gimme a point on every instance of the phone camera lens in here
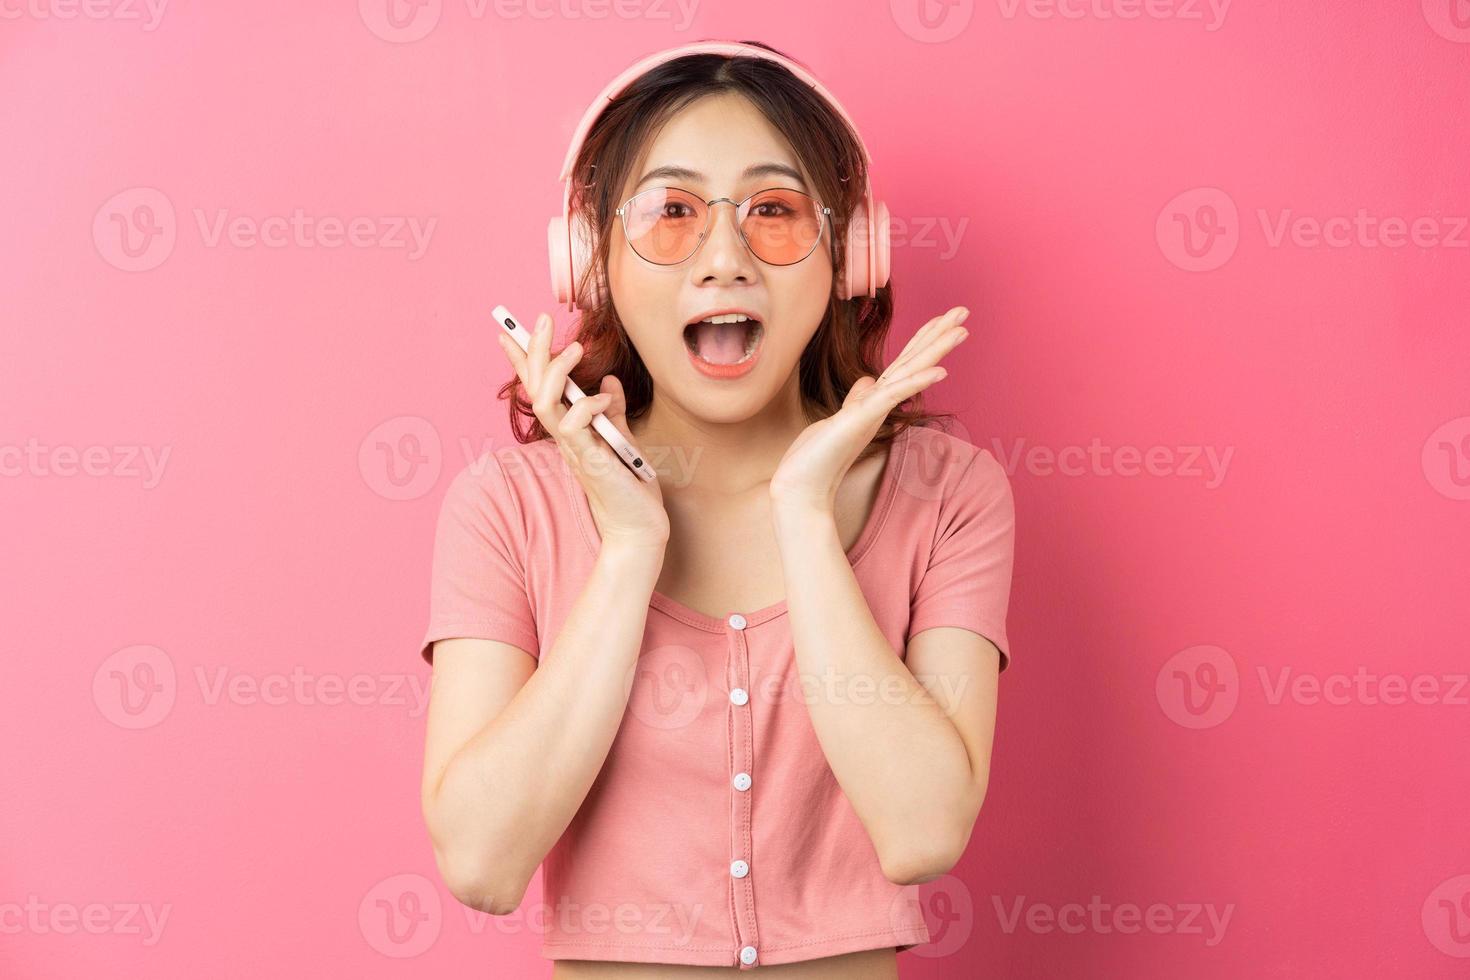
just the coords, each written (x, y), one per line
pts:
(638, 461)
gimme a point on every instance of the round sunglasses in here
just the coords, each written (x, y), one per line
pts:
(666, 225)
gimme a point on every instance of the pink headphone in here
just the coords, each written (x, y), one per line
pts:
(569, 241)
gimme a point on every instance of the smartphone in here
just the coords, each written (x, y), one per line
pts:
(625, 450)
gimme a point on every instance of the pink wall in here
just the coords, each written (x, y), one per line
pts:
(1218, 263)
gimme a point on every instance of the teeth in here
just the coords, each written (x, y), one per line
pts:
(750, 339)
(726, 318)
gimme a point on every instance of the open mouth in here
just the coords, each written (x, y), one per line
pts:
(728, 339)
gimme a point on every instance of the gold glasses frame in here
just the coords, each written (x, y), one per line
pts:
(742, 208)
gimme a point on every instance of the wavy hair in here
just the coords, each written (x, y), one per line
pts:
(848, 344)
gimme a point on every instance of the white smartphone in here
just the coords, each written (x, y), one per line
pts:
(625, 450)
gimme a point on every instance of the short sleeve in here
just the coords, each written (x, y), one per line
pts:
(478, 581)
(967, 582)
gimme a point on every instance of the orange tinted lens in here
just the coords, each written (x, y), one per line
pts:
(782, 226)
(664, 224)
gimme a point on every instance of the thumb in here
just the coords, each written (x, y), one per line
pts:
(617, 408)
(859, 386)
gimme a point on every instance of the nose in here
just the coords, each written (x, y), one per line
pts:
(723, 256)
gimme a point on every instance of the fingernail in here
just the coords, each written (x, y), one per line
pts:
(964, 315)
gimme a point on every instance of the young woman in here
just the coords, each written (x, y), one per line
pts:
(740, 712)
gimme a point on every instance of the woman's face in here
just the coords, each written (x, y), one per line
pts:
(718, 138)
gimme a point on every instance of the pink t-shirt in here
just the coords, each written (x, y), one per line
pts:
(715, 833)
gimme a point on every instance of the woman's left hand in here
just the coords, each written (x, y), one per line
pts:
(814, 465)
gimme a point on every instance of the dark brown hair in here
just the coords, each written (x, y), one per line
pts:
(850, 341)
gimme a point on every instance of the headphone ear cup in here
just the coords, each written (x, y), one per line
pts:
(588, 294)
(561, 260)
(856, 256)
(569, 247)
(866, 267)
(882, 247)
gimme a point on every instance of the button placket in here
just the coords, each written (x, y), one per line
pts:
(742, 739)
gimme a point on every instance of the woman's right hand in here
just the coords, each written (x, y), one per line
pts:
(627, 508)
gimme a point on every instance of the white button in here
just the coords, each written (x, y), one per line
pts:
(742, 781)
(738, 695)
(747, 955)
(739, 869)
(737, 621)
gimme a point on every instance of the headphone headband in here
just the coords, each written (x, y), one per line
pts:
(729, 48)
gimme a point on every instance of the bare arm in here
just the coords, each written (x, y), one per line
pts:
(910, 745)
(513, 747)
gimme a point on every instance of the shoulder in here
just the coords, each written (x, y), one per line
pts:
(528, 464)
(512, 478)
(947, 468)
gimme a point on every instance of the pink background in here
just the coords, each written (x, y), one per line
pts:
(213, 708)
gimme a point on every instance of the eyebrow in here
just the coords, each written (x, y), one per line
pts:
(755, 170)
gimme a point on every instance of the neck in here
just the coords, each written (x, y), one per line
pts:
(721, 458)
